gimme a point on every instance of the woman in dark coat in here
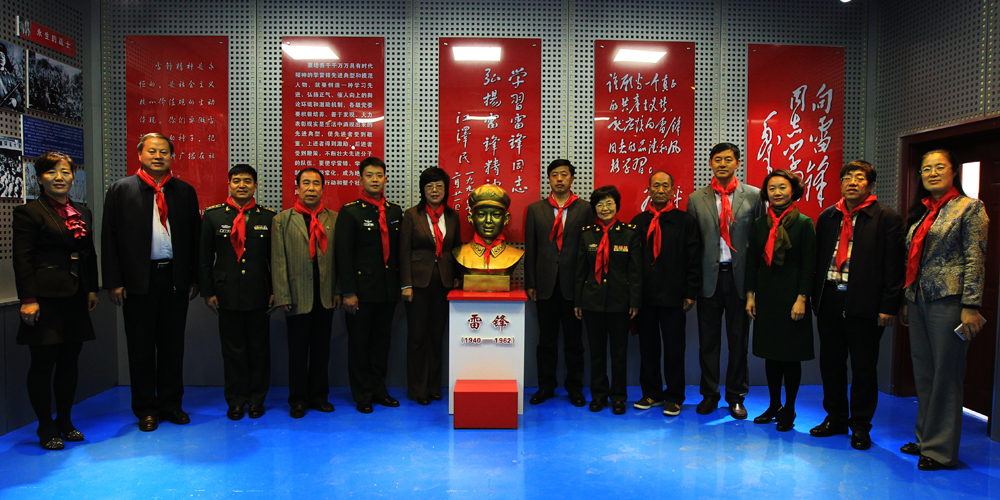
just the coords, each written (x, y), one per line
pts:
(55, 269)
(427, 274)
(780, 261)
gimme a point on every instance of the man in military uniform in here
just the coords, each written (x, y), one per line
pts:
(367, 246)
(234, 272)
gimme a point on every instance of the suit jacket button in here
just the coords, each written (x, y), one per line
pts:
(243, 271)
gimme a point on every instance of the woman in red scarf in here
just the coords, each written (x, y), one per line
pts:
(427, 274)
(944, 288)
(780, 261)
(608, 294)
(55, 269)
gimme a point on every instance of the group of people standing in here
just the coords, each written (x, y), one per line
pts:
(726, 253)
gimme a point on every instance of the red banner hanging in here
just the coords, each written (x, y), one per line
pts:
(179, 86)
(46, 36)
(643, 118)
(490, 121)
(332, 113)
(795, 118)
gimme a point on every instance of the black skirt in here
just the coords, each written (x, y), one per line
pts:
(62, 320)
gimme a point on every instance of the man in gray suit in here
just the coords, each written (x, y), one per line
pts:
(304, 287)
(725, 211)
(551, 236)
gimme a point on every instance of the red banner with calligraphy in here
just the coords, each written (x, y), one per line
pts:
(46, 36)
(332, 113)
(179, 86)
(490, 121)
(643, 118)
(795, 118)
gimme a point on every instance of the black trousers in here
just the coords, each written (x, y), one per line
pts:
(369, 331)
(603, 328)
(552, 312)
(728, 300)
(840, 337)
(309, 354)
(667, 324)
(63, 359)
(246, 355)
(426, 320)
(154, 330)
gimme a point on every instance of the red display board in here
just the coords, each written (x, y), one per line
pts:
(643, 118)
(332, 113)
(46, 36)
(795, 118)
(179, 86)
(490, 121)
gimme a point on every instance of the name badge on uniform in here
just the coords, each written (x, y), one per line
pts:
(260, 228)
(620, 248)
(369, 223)
(224, 229)
(592, 247)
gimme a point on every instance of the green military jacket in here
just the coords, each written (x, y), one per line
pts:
(361, 268)
(242, 285)
(621, 287)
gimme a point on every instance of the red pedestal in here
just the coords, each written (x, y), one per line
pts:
(486, 404)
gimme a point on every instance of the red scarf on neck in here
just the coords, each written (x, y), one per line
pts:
(161, 202)
(920, 234)
(435, 215)
(383, 226)
(489, 248)
(847, 228)
(317, 235)
(773, 234)
(654, 227)
(726, 214)
(557, 227)
(71, 216)
(602, 263)
(238, 235)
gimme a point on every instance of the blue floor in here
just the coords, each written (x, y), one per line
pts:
(412, 452)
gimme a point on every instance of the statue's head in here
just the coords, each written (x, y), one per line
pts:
(488, 205)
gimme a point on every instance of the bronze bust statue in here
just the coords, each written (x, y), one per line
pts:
(488, 254)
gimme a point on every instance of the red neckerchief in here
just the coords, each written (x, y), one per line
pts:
(383, 226)
(489, 247)
(557, 227)
(654, 227)
(773, 233)
(238, 235)
(848, 226)
(920, 234)
(317, 235)
(71, 216)
(435, 215)
(602, 263)
(726, 214)
(161, 202)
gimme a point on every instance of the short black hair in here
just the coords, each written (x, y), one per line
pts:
(861, 165)
(154, 135)
(604, 192)
(298, 177)
(48, 161)
(429, 175)
(370, 162)
(560, 162)
(651, 174)
(798, 188)
(723, 146)
(243, 168)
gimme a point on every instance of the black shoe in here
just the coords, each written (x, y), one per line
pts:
(51, 443)
(365, 407)
(827, 429)
(738, 411)
(768, 415)
(323, 406)
(423, 401)
(577, 399)
(297, 411)
(618, 407)
(597, 405)
(387, 401)
(860, 440)
(235, 412)
(707, 405)
(540, 396)
(148, 424)
(928, 463)
(176, 417)
(911, 449)
(255, 411)
(72, 434)
(435, 397)
(786, 421)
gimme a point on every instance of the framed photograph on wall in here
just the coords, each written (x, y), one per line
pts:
(55, 88)
(12, 92)
(11, 170)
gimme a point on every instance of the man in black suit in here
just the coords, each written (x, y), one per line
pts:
(671, 280)
(367, 249)
(234, 276)
(861, 238)
(551, 236)
(150, 264)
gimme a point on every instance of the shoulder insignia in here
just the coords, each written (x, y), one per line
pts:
(220, 205)
(387, 202)
(355, 202)
(631, 226)
(262, 207)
